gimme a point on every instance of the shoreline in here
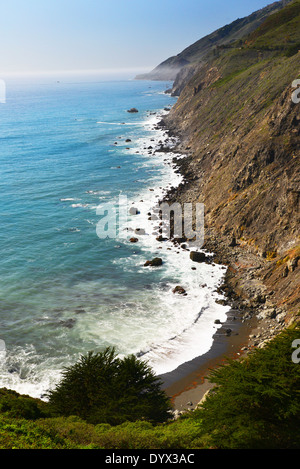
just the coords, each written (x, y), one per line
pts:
(249, 324)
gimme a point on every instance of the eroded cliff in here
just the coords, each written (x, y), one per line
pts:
(238, 120)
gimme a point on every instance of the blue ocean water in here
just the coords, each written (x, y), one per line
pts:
(64, 291)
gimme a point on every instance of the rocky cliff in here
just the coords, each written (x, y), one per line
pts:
(239, 124)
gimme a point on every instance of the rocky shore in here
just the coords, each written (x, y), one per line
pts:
(257, 312)
(237, 123)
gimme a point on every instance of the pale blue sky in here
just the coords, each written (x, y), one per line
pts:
(57, 35)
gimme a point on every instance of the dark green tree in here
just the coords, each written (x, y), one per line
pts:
(256, 403)
(102, 388)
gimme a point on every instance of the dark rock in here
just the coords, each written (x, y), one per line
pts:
(133, 109)
(198, 256)
(156, 262)
(180, 290)
(133, 240)
(233, 243)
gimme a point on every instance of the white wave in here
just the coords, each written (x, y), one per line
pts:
(68, 199)
(89, 206)
(25, 372)
(79, 205)
(120, 123)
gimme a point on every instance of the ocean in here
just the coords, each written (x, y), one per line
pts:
(69, 148)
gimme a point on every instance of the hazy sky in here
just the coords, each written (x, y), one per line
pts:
(57, 35)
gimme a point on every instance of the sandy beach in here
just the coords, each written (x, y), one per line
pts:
(187, 385)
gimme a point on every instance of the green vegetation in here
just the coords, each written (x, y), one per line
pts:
(280, 31)
(257, 400)
(255, 404)
(279, 35)
(102, 388)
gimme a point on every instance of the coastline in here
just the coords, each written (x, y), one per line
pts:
(253, 318)
(187, 385)
(179, 343)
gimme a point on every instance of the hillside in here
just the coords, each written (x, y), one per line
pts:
(222, 38)
(240, 127)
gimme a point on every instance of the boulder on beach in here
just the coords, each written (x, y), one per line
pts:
(156, 262)
(198, 256)
(180, 290)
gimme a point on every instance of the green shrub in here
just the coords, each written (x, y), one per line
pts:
(24, 434)
(102, 388)
(256, 403)
(19, 406)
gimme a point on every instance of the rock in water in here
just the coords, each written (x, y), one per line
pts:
(180, 290)
(198, 256)
(133, 109)
(156, 262)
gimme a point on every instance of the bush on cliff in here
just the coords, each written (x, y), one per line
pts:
(256, 403)
(102, 388)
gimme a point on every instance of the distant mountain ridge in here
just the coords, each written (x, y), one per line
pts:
(197, 52)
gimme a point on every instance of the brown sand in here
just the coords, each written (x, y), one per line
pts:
(187, 385)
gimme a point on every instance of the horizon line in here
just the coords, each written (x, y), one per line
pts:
(74, 71)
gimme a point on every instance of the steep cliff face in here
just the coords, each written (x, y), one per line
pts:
(239, 124)
(201, 50)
